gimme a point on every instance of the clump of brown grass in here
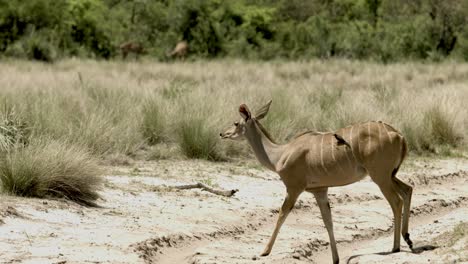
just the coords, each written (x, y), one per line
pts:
(197, 140)
(13, 130)
(153, 123)
(51, 169)
(441, 127)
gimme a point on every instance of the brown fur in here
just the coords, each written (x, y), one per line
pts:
(180, 51)
(315, 161)
(131, 47)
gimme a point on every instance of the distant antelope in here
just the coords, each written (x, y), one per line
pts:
(180, 50)
(314, 161)
(131, 47)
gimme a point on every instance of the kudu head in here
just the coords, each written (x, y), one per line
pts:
(246, 123)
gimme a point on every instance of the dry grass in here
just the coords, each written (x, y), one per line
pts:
(106, 106)
(44, 168)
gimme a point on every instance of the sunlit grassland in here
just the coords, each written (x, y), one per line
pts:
(146, 109)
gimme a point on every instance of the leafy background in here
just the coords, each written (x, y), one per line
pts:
(381, 30)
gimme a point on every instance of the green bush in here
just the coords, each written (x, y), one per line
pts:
(461, 50)
(51, 169)
(367, 29)
(90, 26)
(194, 22)
(18, 18)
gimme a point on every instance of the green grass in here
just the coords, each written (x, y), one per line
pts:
(51, 169)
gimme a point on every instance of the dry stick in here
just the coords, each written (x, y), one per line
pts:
(227, 193)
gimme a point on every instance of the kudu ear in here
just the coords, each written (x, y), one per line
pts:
(244, 112)
(263, 111)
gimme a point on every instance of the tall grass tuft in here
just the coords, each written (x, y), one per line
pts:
(153, 122)
(197, 140)
(327, 101)
(51, 169)
(441, 127)
(417, 138)
(13, 130)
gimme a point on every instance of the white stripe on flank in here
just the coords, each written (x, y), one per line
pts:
(321, 155)
(380, 139)
(332, 151)
(358, 141)
(351, 140)
(368, 132)
(386, 130)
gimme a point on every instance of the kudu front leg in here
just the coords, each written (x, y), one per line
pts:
(288, 205)
(322, 201)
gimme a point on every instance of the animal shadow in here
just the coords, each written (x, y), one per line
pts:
(415, 250)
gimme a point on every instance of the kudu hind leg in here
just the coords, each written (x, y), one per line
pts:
(288, 205)
(324, 205)
(405, 192)
(389, 190)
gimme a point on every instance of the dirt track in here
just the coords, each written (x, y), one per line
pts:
(141, 222)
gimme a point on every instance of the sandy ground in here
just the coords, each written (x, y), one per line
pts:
(142, 222)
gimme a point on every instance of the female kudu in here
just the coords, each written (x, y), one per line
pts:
(314, 161)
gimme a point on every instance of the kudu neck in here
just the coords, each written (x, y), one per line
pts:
(267, 152)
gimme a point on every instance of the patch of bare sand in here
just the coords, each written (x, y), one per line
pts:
(139, 222)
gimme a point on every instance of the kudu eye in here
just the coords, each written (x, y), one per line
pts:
(236, 123)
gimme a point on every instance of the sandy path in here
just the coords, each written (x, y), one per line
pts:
(143, 223)
(361, 217)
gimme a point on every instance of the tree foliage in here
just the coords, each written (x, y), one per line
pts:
(384, 30)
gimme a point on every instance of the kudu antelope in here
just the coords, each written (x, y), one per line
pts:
(180, 50)
(314, 161)
(131, 47)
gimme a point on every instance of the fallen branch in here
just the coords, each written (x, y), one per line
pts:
(227, 193)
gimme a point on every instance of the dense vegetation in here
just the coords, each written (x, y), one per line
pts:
(382, 30)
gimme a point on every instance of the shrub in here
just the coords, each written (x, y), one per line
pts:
(152, 126)
(51, 169)
(197, 140)
(417, 138)
(433, 132)
(91, 27)
(441, 127)
(37, 45)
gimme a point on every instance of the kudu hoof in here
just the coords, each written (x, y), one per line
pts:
(408, 241)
